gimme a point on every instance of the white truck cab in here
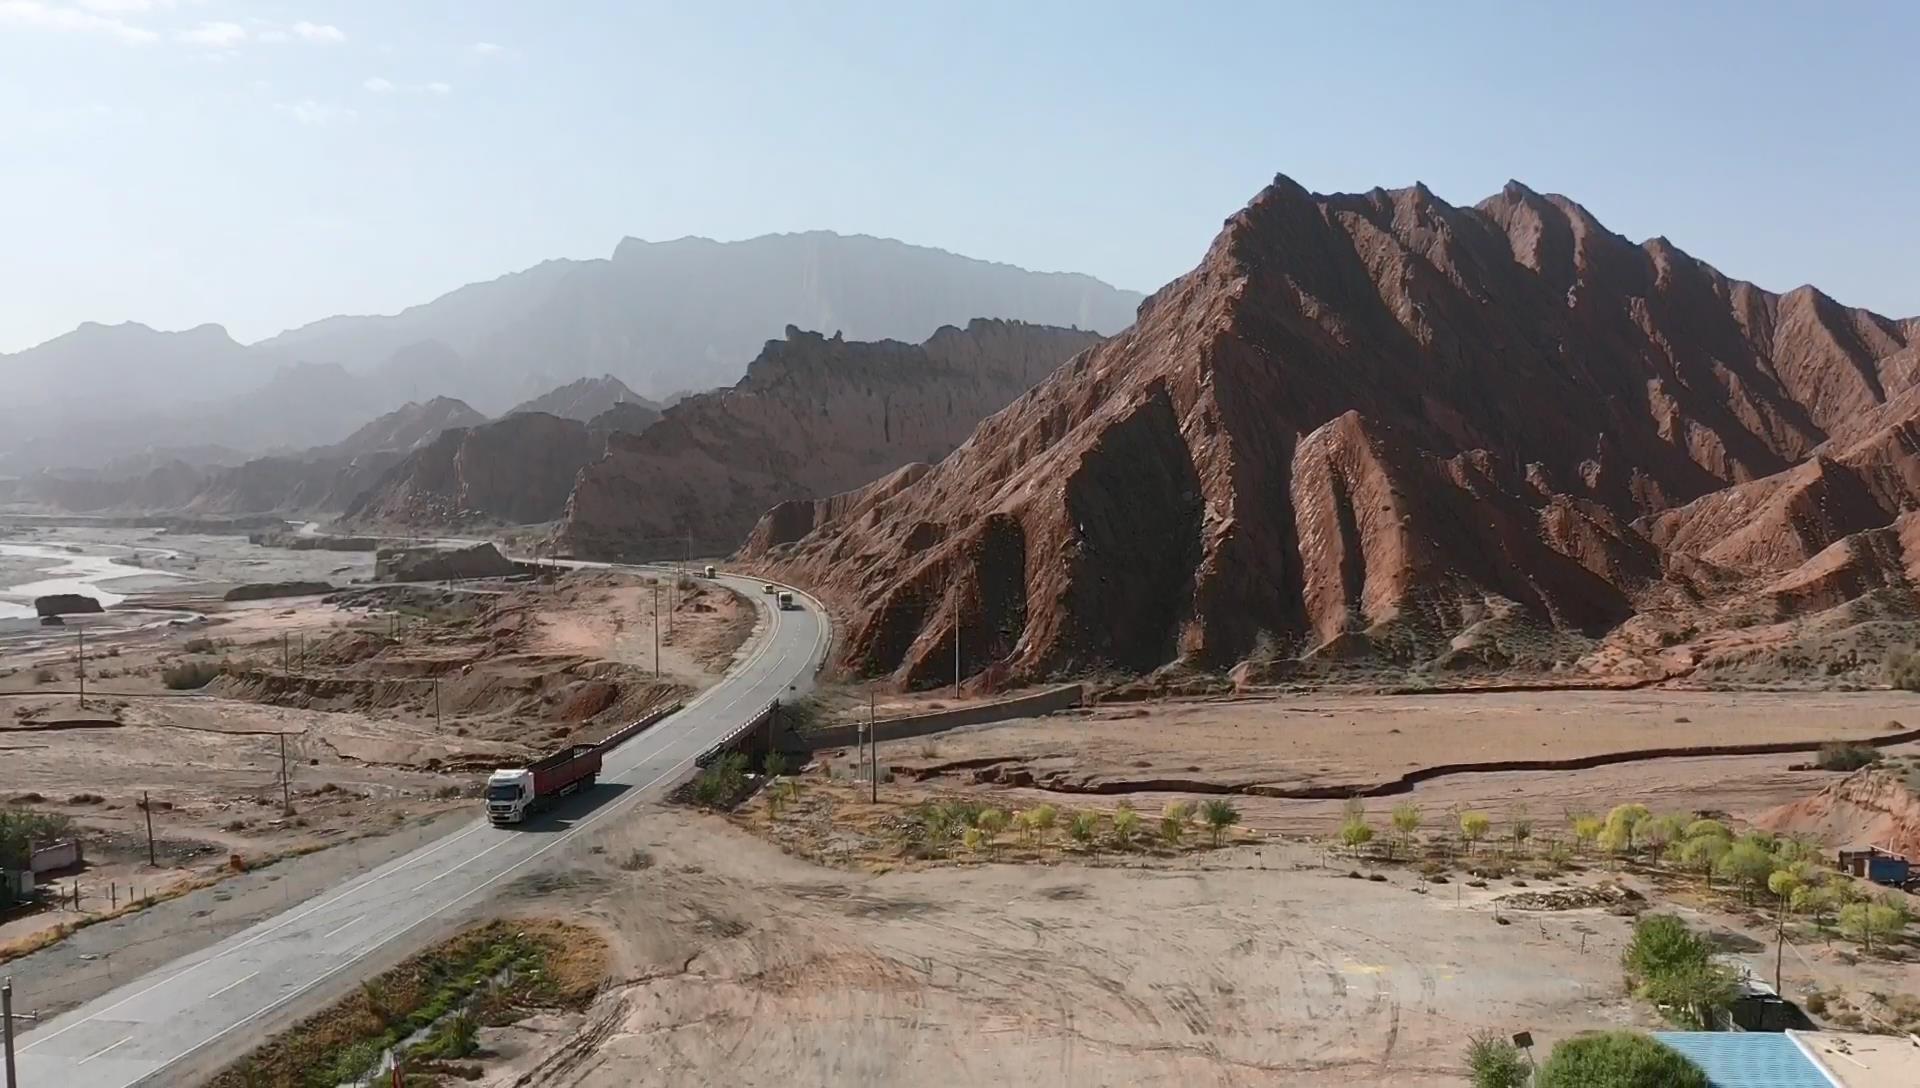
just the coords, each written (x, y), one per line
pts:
(509, 792)
(710, 571)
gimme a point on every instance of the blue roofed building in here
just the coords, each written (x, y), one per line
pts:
(1799, 1059)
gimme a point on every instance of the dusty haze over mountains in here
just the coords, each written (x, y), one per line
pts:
(660, 317)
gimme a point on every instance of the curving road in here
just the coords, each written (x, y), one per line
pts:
(145, 1031)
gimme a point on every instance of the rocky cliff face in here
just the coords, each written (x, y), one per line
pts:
(517, 470)
(814, 415)
(1380, 425)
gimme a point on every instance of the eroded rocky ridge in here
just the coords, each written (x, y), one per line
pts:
(815, 415)
(1377, 425)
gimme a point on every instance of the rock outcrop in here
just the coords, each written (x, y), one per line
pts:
(441, 564)
(260, 591)
(514, 470)
(1380, 425)
(66, 604)
(1870, 807)
(815, 415)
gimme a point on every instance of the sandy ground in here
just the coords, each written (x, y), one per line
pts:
(1309, 740)
(1248, 965)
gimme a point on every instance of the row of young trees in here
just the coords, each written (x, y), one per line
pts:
(1784, 872)
(980, 828)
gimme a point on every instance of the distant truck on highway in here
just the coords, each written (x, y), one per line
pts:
(786, 601)
(513, 792)
(709, 570)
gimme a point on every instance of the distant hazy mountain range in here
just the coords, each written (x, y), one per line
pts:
(657, 317)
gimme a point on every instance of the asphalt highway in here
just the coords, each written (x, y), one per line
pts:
(201, 1004)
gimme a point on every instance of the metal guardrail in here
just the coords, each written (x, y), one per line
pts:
(734, 737)
(645, 721)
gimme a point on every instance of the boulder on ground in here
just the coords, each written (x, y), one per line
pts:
(441, 564)
(66, 604)
(256, 591)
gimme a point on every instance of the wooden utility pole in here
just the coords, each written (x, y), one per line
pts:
(286, 785)
(656, 627)
(146, 803)
(873, 751)
(956, 651)
(436, 703)
(286, 655)
(81, 633)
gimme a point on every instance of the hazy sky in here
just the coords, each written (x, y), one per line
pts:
(265, 164)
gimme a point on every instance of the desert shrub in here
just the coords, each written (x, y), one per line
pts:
(1618, 1059)
(1219, 816)
(1126, 824)
(199, 646)
(722, 782)
(1903, 670)
(776, 764)
(1083, 827)
(1844, 756)
(1493, 1062)
(636, 861)
(189, 675)
(44, 675)
(85, 799)
(1174, 818)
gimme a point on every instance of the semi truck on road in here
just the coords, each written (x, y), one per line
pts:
(513, 792)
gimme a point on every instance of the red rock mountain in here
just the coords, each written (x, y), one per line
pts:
(813, 416)
(1378, 424)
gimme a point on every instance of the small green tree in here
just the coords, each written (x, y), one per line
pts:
(990, 823)
(1869, 920)
(1618, 1059)
(1083, 827)
(1044, 817)
(1520, 829)
(775, 764)
(1662, 943)
(1703, 828)
(1174, 818)
(1126, 824)
(1693, 995)
(1656, 832)
(1622, 822)
(1473, 827)
(1703, 854)
(1586, 831)
(1355, 834)
(1494, 1062)
(1406, 822)
(1747, 865)
(973, 839)
(1219, 816)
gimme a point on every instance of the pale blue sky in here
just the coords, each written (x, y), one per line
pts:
(265, 164)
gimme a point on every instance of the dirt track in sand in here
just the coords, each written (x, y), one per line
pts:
(1251, 965)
